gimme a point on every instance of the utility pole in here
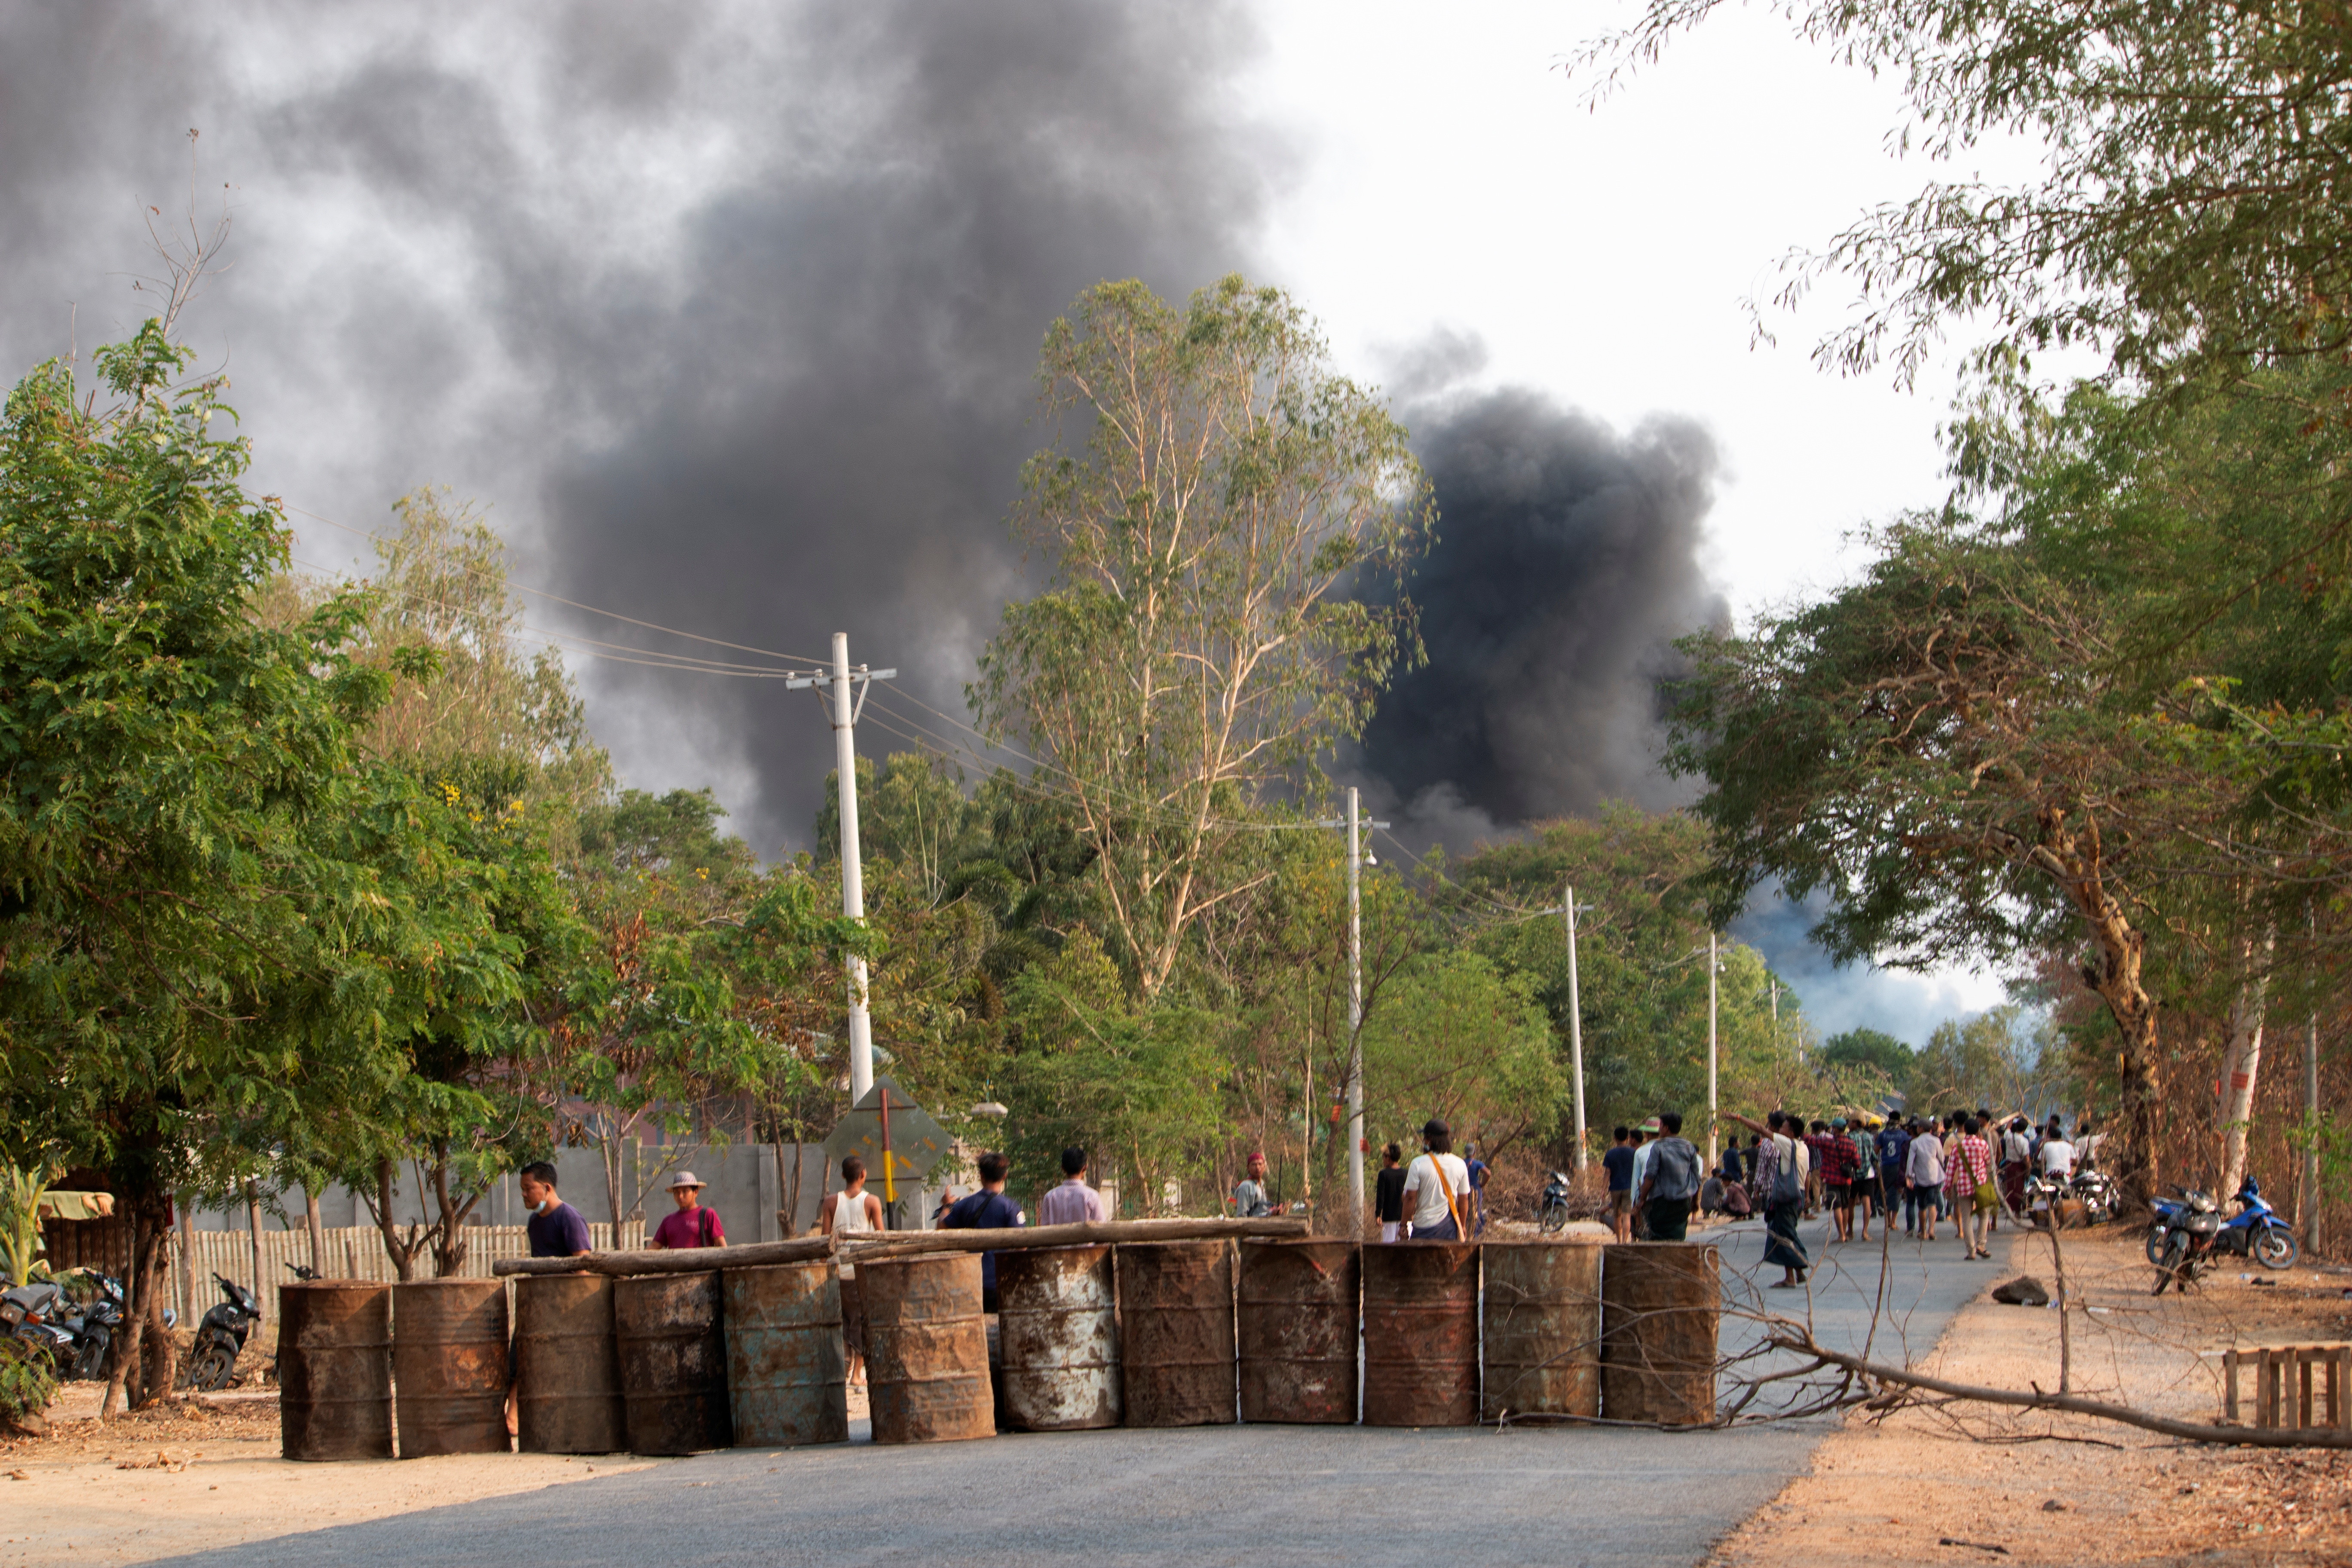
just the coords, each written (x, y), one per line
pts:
(1570, 908)
(843, 712)
(2307, 1201)
(1710, 1045)
(1355, 823)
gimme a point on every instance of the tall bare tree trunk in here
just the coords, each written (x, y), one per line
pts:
(2241, 1056)
(318, 1238)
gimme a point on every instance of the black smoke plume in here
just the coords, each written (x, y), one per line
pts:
(730, 313)
(1567, 564)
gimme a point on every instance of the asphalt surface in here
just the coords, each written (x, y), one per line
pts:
(1264, 1496)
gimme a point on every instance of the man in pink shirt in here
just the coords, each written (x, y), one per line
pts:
(1074, 1202)
(691, 1225)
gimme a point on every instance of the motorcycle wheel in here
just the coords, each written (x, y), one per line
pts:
(2174, 1270)
(2276, 1249)
(1554, 1218)
(89, 1362)
(2156, 1244)
(210, 1369)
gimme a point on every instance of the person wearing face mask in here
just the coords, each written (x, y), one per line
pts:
(555, 1227)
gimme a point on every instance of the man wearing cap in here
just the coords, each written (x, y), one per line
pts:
(1250, 1199)
(692, 1224)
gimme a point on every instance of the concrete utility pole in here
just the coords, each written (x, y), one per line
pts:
(1570, 908)
(2307, 1201)
(1710, 1045)
(844, 711)
(1355, 823)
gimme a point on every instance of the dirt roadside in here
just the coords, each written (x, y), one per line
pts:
(1963, 1484)
(196, 1475)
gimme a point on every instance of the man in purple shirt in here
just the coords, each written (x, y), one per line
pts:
(555, 1227)
(1074, 1202)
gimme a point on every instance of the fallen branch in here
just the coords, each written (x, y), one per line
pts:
(2075, 1404)
(672, 1260)
(900, 1244)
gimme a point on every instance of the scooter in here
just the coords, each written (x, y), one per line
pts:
(2189, 1244)
(2256, 1231)
(1553, 1217)
(74, 1334)
(220, 1339)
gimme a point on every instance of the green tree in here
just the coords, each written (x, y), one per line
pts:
(1204, 634)
(1872, 1049)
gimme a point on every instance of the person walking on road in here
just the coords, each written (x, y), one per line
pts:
(987, 1209)
(1840, 1163)
(1974, 1196)
(691, 1225)
(1894, 1148)
(1074, 1202)
(1387, 1194)
(1780, 1193)
(1436, 1186)
(1618, 1163)
(1671, 1182)
(1926, 1170)
(853, 1210)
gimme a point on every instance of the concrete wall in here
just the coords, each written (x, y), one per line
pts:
(744, 1184)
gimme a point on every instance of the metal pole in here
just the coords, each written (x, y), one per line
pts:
(1710, 1046)
(1355, 1016)
(2309, 1198)
(853, 872)
(1575, 1029)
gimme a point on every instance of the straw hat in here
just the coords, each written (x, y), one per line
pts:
(686, 1179)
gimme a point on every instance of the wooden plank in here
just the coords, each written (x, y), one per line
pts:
(672, 1260)
(2265, 1388)
(2230, 1385)
(898, 1244)
(2303, 1370)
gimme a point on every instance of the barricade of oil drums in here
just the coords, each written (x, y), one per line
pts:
(1057, 1328)
(1540, 1330)
(673, 1347)
(786, 1369)
(1661, 1306)
(449, 1366)
(1298, 1320)
(1421, 1334)
(1176, 1332)
(926, 1348)
(335, 1370)
(567, 1367)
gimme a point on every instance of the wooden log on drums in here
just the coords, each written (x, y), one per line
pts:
(673, 1345)
(1057, 1329)
(672, 1260)
(1661, 1305)
(1541, 1328)
(1295, 1322)
(1421, 1334)
(567, 1367)
(1086, 1232)
(787, 1375)
(925, 1348)
(1176, 1332)
(449, 1366)
(335, 1370)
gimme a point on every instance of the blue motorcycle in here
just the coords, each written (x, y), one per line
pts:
(2256, 1231)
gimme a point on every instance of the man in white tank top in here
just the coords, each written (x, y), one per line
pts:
(849, 1212)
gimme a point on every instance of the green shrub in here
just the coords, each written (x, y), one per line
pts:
(27, 1379)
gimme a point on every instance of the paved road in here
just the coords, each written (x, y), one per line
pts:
(1264, 1496)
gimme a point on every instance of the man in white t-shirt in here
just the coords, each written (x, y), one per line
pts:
(2057, 1154)
(1436, 1186)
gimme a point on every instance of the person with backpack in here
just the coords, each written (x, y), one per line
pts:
(691, 1225)
(987, 1209)
(1780, 1193)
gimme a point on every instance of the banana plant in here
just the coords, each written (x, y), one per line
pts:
(21, 1190)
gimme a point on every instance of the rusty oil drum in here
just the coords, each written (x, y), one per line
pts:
(1541, 1328)
(567, 1367)
(1176, 1332)
(1661, 1304)
(1057, 1328)
(335, 1370)
(786, 1370)
(449, 1366)
(926, 1348)
(1421, 1334)
(673, 1345)
(1295, 1322)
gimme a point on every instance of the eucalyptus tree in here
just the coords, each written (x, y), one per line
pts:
(1216, 533)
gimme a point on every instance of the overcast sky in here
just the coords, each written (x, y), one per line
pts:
(728, 312)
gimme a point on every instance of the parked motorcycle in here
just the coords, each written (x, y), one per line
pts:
(220, 1339)
(74, 1334)
(1553, 1215)
(2188, 1245)
(2095, 1191)
(2255, 1231)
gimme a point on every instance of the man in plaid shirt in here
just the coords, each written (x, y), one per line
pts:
(1840, 1163)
